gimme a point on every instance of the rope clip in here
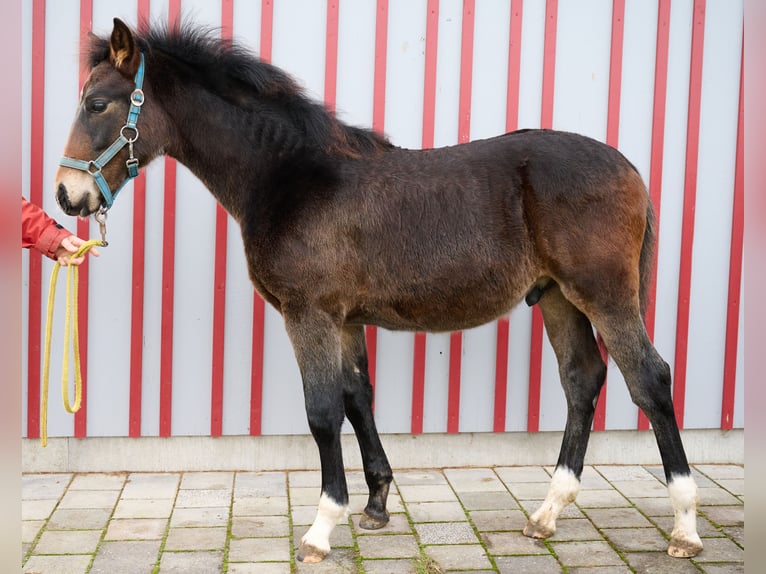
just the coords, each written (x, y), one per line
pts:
(100, 217)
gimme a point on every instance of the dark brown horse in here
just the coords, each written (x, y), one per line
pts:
(342, 229)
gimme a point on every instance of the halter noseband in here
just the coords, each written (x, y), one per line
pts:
(93, 167)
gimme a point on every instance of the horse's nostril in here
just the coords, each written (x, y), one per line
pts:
(63, 198)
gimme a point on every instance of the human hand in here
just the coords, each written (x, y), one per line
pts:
(70, 245)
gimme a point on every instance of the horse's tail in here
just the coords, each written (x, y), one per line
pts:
(646, 259)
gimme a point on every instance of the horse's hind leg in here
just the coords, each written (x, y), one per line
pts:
(648, 378)
(582, 373)
(316, 340)
(357, 396)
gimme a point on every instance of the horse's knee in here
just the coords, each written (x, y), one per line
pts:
(651, 391)
(582, 382)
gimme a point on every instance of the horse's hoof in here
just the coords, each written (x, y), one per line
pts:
(373, 523)
(538, 530)
(684, 547)
(310, 554)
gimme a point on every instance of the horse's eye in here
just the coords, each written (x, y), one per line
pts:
(97, 106)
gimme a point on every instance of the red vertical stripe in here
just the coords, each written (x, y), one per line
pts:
(546, 122)
(259, 306)
(378, 123)
(37, 126)
(612, 137)
(137, 305)
(511, 123)
(83, 230)
(427, 141)
(655, 170)
(219, 279)
(735, 268)
(331, 55)
(137, 285)
(168, 275)
(463, 136)
(501, 374)
(690, 198)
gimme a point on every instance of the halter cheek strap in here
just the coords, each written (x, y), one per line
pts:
(93, 167)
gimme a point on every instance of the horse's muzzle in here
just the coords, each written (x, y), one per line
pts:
(80, 208)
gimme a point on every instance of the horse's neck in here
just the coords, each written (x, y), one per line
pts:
(218, 146)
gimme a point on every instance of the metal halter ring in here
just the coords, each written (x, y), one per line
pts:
(135, 129)
(137, 97)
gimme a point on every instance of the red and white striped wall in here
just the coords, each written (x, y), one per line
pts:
(174, 341)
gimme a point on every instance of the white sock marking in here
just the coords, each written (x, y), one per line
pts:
(563, 491)
(683, 495)
(328, 515)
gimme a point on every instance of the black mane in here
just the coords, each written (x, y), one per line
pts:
(237, 75)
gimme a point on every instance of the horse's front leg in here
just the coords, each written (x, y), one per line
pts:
(317, 343)
(357, 393)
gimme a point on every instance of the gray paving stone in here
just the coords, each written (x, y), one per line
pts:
(44, 486)
(68, 542)
(636, 539)
(495, 520)
(600, 570)
(303, 514)
(57, 564)
(575, 529)
(260, 526)
(259, 549)
(151, 485)
(190, 517)
(733, 568)
(196, 539)
(30, 529)
(736, 533)
(259, 506)
(136, 529)
(717, 471)
(436, 511)
(733, 485)
(591, 479)
(305, 495)
(474, 480)
(201, 498)
(640, 488)
(716, 497)
(388, 546)
(89, 499)
(446, 533)
(529, 490)
(704, 528)
(136, 557)
(305, 478)
(98, 481)
(536, 564)
(624, 472)
(659, 563)
(79, 519)
(720, 550)
(389, 566)
(513, 543)
(617, 517)
(191, 563)
(660, 506)
(426, 493)
(207, 480)
(467, 556)
(512, 474)
(259, 568)
(592, 553)
(37, 509)
(419, 477)
(487, 500)
(601, 499)
(144, 508)
(725, 515)
(260, 483)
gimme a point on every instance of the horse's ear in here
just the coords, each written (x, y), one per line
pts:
(122, 50)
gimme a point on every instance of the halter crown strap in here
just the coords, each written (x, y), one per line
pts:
(93, 167)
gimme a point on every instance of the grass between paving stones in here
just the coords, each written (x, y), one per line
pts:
(43, 528)
(106, 526)
(156, 567)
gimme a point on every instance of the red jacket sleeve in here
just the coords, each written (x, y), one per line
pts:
(40, 231)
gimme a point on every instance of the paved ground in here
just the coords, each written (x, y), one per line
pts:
(457, 520)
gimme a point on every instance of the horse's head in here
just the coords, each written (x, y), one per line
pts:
(104, 149)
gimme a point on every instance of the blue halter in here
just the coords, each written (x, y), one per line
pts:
(93, 167)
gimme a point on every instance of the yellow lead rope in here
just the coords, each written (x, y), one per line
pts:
(70, 327)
